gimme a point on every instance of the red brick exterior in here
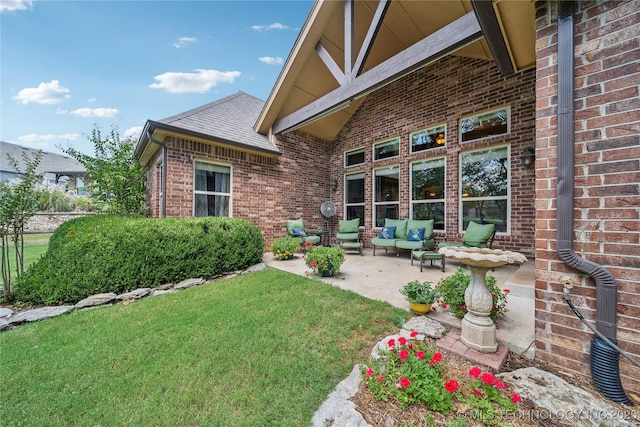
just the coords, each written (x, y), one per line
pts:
(607, 173)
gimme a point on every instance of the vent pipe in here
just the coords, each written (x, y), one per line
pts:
(163, 175)
(604, 361)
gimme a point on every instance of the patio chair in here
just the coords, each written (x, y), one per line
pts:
(348, 235)
(295, 228)
(476, 235)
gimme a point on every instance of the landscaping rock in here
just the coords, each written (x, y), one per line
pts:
(158, 292)
(338, 410)
(136, 294)
(188, 283)
(39, 314)
(425, 325)
(94, 300)
(4, 324)
(4, 312)
(257, 267)
(563, 400)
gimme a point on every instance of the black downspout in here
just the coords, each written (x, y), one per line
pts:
(604, 362)
(163, 175)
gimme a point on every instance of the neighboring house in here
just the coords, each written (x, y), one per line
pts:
(450, 110)
(56, 169)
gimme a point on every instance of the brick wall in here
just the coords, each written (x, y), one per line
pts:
(607, 176)
(441, 93)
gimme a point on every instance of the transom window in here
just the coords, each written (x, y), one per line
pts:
(211, 189)
(428, 138)
(354, 196)
(354, 157)
(484, 187)
(427, 191)
(386, 149)
(492, 123)
(386, 188)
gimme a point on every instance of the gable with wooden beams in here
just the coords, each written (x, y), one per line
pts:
(349, 49)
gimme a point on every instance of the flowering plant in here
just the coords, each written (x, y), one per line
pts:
(285, 247)
(419, 293)
(324, 258)
(414, 373)
(451, 294)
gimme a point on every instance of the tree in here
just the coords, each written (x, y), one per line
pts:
(116, 178)
(18, 203)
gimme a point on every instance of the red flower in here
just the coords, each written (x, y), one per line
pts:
(314, 263)
(463, 308)
(515, 398)
(380, 378)
(402, 340)
(506, 291)
(499, 384)
(435, 359)
(404, 354)
(478, 392)
(443, 305)
(414, 334)
(451, 386)
(391, 342)
(488, 378)
(410, 346)
(475, 372)
(404, 382)
(369, 372)
(420, 355)
(496, 309)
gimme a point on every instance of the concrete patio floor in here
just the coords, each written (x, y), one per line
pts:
(380, 277)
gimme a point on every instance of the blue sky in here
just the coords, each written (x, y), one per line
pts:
(67, 66)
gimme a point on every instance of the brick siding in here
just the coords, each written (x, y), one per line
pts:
(607, 176)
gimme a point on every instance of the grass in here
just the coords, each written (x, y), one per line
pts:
(35, 245)
(261, 349)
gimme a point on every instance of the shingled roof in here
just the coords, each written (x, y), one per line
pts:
(50, 162)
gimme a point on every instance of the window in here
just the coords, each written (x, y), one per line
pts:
(386, 194)
(354, 196)
(354, 157)
(428, 138)
(386, 149)
(427, 191)
(484, 187)
(211, 190)
(487, 124)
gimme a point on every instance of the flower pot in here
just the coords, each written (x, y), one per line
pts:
(328, 273)
(419, 308)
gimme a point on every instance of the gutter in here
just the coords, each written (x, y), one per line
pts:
(163, 174)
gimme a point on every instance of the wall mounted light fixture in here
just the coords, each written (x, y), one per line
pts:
(528, 156)
(334, 184)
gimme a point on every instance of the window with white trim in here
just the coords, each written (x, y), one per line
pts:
(354, 196)
(386, 149)
(428, 138)
(484, 187)
(354, 157)
(486, 124)
(211, 189)
(427, 191)
(386, 190)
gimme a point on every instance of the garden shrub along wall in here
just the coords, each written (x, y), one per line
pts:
(99, 253)
(607, 153)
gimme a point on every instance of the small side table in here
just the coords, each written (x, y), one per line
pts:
(427, 255)
(321, 234)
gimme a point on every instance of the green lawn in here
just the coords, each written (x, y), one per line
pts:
(261, 349)
(35, 245)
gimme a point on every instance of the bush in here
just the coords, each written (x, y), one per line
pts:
(285, 247)
(100, 253)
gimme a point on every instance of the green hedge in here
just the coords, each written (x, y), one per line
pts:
(98, 253)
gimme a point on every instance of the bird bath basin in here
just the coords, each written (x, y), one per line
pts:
(478, 331)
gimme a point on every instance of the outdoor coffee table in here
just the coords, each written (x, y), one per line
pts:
(424, 255)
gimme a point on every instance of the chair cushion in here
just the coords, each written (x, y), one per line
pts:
(313, 239)
(387, 233)
(477, 235)
(409, 244)
(294, 223)
(347, 236)
(415, 234)
(400, 225)
(299, 232)
(427, 224)
(349, 225)
(387, 243)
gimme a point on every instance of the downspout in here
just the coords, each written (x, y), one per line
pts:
(163, 175)
(604, 363)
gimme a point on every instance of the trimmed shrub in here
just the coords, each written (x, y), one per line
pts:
(100, 253)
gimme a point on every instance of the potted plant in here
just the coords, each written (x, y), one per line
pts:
(285, 247)
(325, 260)
(420, 295)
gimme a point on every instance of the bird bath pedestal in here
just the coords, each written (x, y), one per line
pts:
(478, 331)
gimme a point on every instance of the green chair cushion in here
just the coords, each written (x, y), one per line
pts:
(400, 225)
(349, 225)
(427, 224)
(389, 243)
(294, 223)
(347, 236)
(477, 235)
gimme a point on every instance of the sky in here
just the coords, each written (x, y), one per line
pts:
(67, 67)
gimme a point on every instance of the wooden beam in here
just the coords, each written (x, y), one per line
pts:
(374, 27)
(461, 32)
(348, 37)
(488, 20)
(330, 63)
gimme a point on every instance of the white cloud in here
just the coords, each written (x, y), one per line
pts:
(133, 133)
(34, 137)
(61, 111)
(91, 100)
(11, 5)
(184, 41)
(102, 113)
(270, 60)
(274, 26)
(199, 82)
(45, 93)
